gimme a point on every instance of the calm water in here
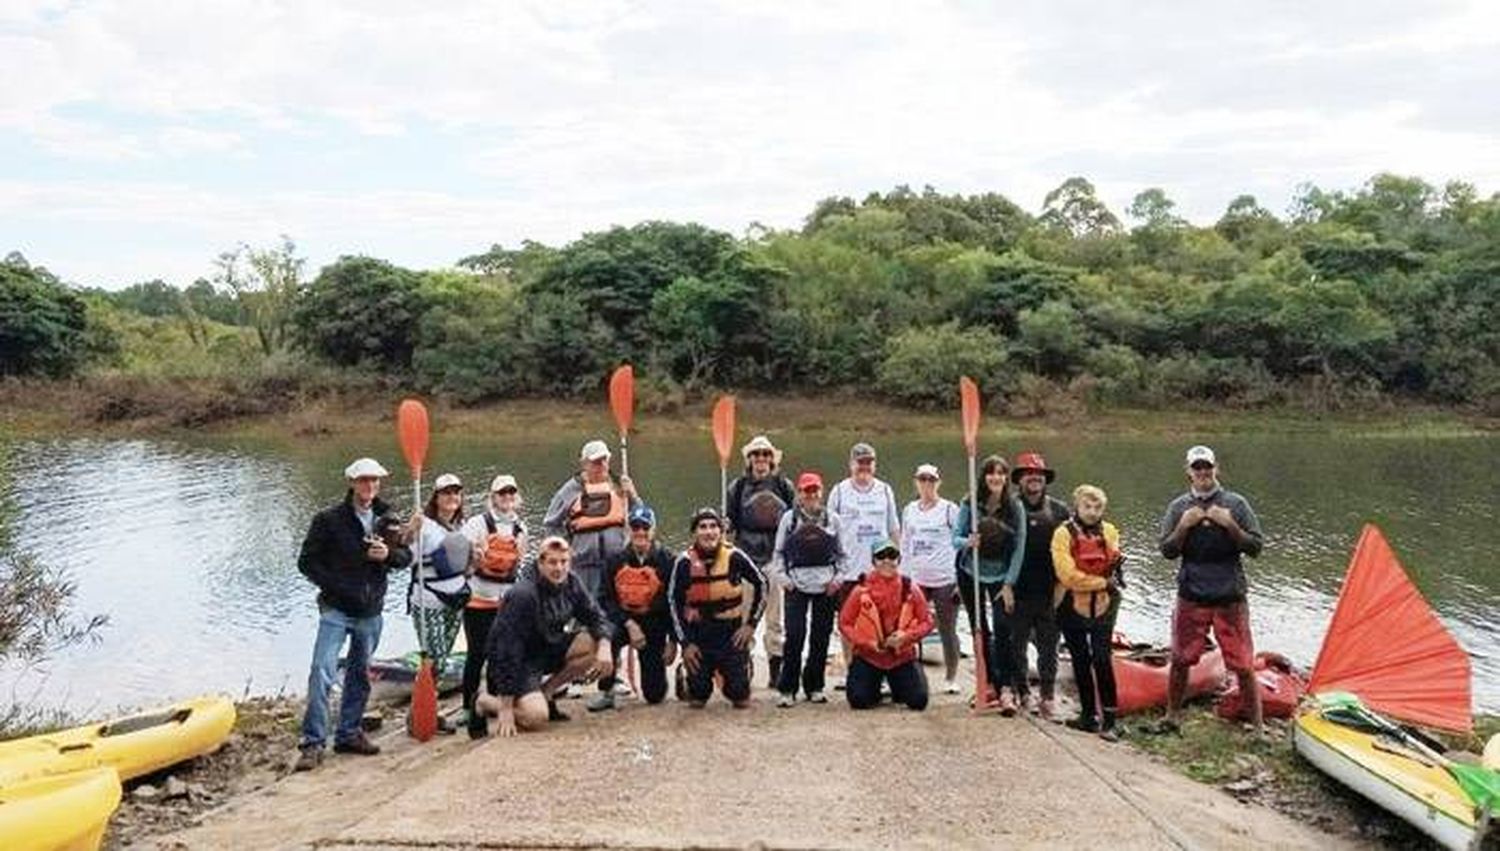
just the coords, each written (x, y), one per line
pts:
(190, 547)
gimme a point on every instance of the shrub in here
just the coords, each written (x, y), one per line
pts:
(922, 365)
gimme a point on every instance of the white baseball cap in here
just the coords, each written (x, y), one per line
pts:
(503, 481)
(364, 468)
(594, 450)
(1201, 453)
(926, 471)
(447, 480)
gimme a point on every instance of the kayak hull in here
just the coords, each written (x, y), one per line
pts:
(64, 813)
(1421, 794)
(133, 746)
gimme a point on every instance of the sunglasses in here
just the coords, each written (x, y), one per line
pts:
(762, 453)
(642, 527)
(886, 555)
(504, 491)
(1202, 465)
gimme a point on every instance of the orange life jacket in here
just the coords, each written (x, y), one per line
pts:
(501, 555)
(1091, 553)
(710, 593)
(869, 630)
(636, 588)
(600, 506)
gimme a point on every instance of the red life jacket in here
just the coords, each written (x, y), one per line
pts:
(1091, 553)
(636, 587)
(869, 629)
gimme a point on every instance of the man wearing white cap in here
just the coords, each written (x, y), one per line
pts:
(756, 502)
(589, 512)
(349, 549)
(1209, 529)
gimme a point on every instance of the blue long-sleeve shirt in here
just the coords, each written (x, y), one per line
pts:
(1002, 570)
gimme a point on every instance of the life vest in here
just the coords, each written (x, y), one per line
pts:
(501, 555)
(442, 572)
(869, 629)
(762, 507)
(996, 536)
(600, 506)
(808, 545)
(636, 587)
(1091, 553)
(711, 593)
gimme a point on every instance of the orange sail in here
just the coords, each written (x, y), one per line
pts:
(1386, 645)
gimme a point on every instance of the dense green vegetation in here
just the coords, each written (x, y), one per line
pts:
(1352, 297)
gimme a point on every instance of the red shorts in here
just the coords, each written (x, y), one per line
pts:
(1231, 626)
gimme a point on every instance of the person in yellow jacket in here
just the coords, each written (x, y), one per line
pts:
(1086, 556)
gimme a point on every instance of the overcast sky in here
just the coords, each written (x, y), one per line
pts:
(140, 139)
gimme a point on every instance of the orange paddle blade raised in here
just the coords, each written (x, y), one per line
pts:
(411, 428)
(424, 703)
(622, 396)
(724, 428)
(968, 396)
(1387, 646)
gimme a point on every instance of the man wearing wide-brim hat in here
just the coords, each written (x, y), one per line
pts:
(1033, 618)
(756, 501)
(349, 549)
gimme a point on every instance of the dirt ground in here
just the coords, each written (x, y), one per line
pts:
(806, 777)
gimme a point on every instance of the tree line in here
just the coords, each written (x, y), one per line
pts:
(1388, 290)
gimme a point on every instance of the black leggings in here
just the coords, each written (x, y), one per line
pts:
(908, 684)
(477, 623)
(999, 658)
(651, 657)
(1090, 643)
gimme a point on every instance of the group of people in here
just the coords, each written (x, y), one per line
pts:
(785, 560)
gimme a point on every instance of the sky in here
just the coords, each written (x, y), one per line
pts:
(138, 140)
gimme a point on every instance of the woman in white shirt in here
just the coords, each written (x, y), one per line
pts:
(927, 557)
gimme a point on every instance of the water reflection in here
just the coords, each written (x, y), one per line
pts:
(190, 548)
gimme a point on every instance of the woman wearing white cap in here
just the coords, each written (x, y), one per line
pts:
(441, 589)
(927, 554)
(498, 538)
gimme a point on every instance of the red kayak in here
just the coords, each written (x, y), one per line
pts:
(1141, 675)
(1281, 689)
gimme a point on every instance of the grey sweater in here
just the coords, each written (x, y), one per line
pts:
(1211, 570)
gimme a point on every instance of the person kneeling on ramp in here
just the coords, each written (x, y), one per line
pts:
(714, 621)
(531, 652)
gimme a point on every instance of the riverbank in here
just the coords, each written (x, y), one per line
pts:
(627, 773)
(125, 407)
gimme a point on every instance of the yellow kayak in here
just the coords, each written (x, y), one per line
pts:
(1399, 780)
(64, 813)
(132, 746)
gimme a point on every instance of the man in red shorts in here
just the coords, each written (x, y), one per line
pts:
(1210, 529)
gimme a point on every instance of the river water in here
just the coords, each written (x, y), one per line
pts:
(189, 546)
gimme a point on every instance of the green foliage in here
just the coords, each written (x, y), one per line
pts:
(1388, 288)
(362, 312)
(43, 324)
(922, 365)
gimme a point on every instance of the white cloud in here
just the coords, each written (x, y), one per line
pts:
(547, 119)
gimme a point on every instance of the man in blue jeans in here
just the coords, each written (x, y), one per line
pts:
(348, 551)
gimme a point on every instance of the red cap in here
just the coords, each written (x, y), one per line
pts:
(1030, 461)
(809, 480)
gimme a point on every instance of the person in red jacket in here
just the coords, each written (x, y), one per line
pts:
(883, 620)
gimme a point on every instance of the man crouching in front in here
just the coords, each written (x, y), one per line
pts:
(531, 653)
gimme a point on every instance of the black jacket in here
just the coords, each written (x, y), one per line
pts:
(661, 560)
(1038, 577)
(532, 629)
(758, 544)
(333, 557)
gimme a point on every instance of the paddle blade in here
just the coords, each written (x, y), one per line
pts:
(411, 429)
(424, 703)
(1481, 784)
(622, 396)
(724, 428)
(968, 397)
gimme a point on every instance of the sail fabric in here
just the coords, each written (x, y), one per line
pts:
(1386, 645)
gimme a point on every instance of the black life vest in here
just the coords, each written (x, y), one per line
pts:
(808, 545)
(761, 507)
